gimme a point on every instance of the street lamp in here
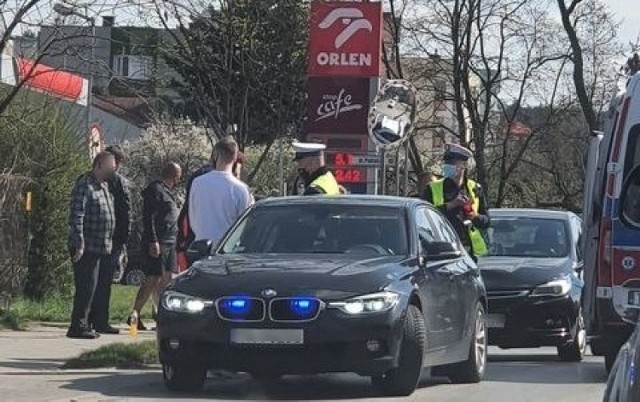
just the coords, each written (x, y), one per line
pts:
(66, 11)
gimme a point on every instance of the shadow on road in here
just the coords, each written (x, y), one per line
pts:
(32, 364)
(543, 369)
(234, 387)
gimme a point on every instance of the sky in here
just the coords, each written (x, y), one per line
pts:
(629, 12)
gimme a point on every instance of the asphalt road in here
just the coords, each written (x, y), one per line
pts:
(514, 375)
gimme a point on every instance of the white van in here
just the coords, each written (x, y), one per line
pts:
(611, 249)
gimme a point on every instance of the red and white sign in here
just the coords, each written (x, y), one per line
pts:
(337, 105)
(345, 39)
(42, 78)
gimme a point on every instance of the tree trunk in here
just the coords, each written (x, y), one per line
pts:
(578, 64)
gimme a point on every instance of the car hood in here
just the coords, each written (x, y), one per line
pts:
(522, 273)
(326, 277)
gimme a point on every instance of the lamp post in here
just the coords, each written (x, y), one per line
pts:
(65, 11)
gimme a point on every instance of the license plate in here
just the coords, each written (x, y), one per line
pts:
(495, 320)
(267, 336)
(634, 298)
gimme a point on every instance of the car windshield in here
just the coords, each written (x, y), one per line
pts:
(325, 228)
(528, 237)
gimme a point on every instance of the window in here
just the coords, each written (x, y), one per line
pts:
(320, 229)
(444, 228)
(426, 233)
(631, 204)
(633, 150)
(133, 67)
(529, 237)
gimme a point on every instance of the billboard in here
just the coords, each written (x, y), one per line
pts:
(337, 105)
(345, 39)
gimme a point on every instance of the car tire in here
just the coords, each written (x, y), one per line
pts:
(403, 380)
(575, 350)
(134, 277)
(472, 370)
(183, 377)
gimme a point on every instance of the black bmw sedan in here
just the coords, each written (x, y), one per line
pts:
(533, 279)
(379, 286)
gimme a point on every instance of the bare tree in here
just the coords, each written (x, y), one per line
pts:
(491, 52)
(592, 32)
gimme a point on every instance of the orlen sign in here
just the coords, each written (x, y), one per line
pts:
(337, 105)
(345, 39)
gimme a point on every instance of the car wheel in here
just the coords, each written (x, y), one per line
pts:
(574, 351)
(134, 277)
(472, 370)
(403, 380)
(183, 377)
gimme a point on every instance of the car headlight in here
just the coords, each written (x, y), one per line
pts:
(558, 287)
(372, 303)
(179, 302)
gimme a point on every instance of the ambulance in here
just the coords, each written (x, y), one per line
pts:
(611, 247)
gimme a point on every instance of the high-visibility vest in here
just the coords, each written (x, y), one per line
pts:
(326, 184)
(478, 244)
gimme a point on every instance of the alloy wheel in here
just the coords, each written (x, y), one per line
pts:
(481, 342)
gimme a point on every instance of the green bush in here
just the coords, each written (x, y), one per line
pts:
(38, 138)
(266, 181)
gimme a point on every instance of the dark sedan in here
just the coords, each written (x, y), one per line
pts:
(379, 286)
(533, 281)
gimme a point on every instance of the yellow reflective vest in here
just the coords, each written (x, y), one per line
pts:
(327, 184)
(478, 244)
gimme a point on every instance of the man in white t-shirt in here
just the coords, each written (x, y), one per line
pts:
(218, 198)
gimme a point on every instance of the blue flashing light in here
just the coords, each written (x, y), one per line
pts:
(236, 307)
(303, 308)
(238, 304)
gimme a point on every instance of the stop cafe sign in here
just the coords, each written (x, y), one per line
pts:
(345, 39)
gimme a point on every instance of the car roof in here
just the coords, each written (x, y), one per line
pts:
(531, 213)
(372, 200)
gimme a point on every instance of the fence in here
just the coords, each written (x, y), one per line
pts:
(13, 236)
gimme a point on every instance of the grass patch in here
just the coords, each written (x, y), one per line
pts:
(58, 309)
(133, 355)
(122, 298)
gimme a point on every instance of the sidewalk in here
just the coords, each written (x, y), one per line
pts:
(47, 348)
(30, 364)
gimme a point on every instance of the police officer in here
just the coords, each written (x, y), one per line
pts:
(314, 177)
(461, 199)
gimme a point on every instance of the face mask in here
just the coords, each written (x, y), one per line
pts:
(449, 171)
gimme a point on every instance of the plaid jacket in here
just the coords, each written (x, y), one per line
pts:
(91, 216)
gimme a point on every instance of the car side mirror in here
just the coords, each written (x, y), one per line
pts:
(198, 250)
(630, 199)
(579, 267)
(441, 251)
